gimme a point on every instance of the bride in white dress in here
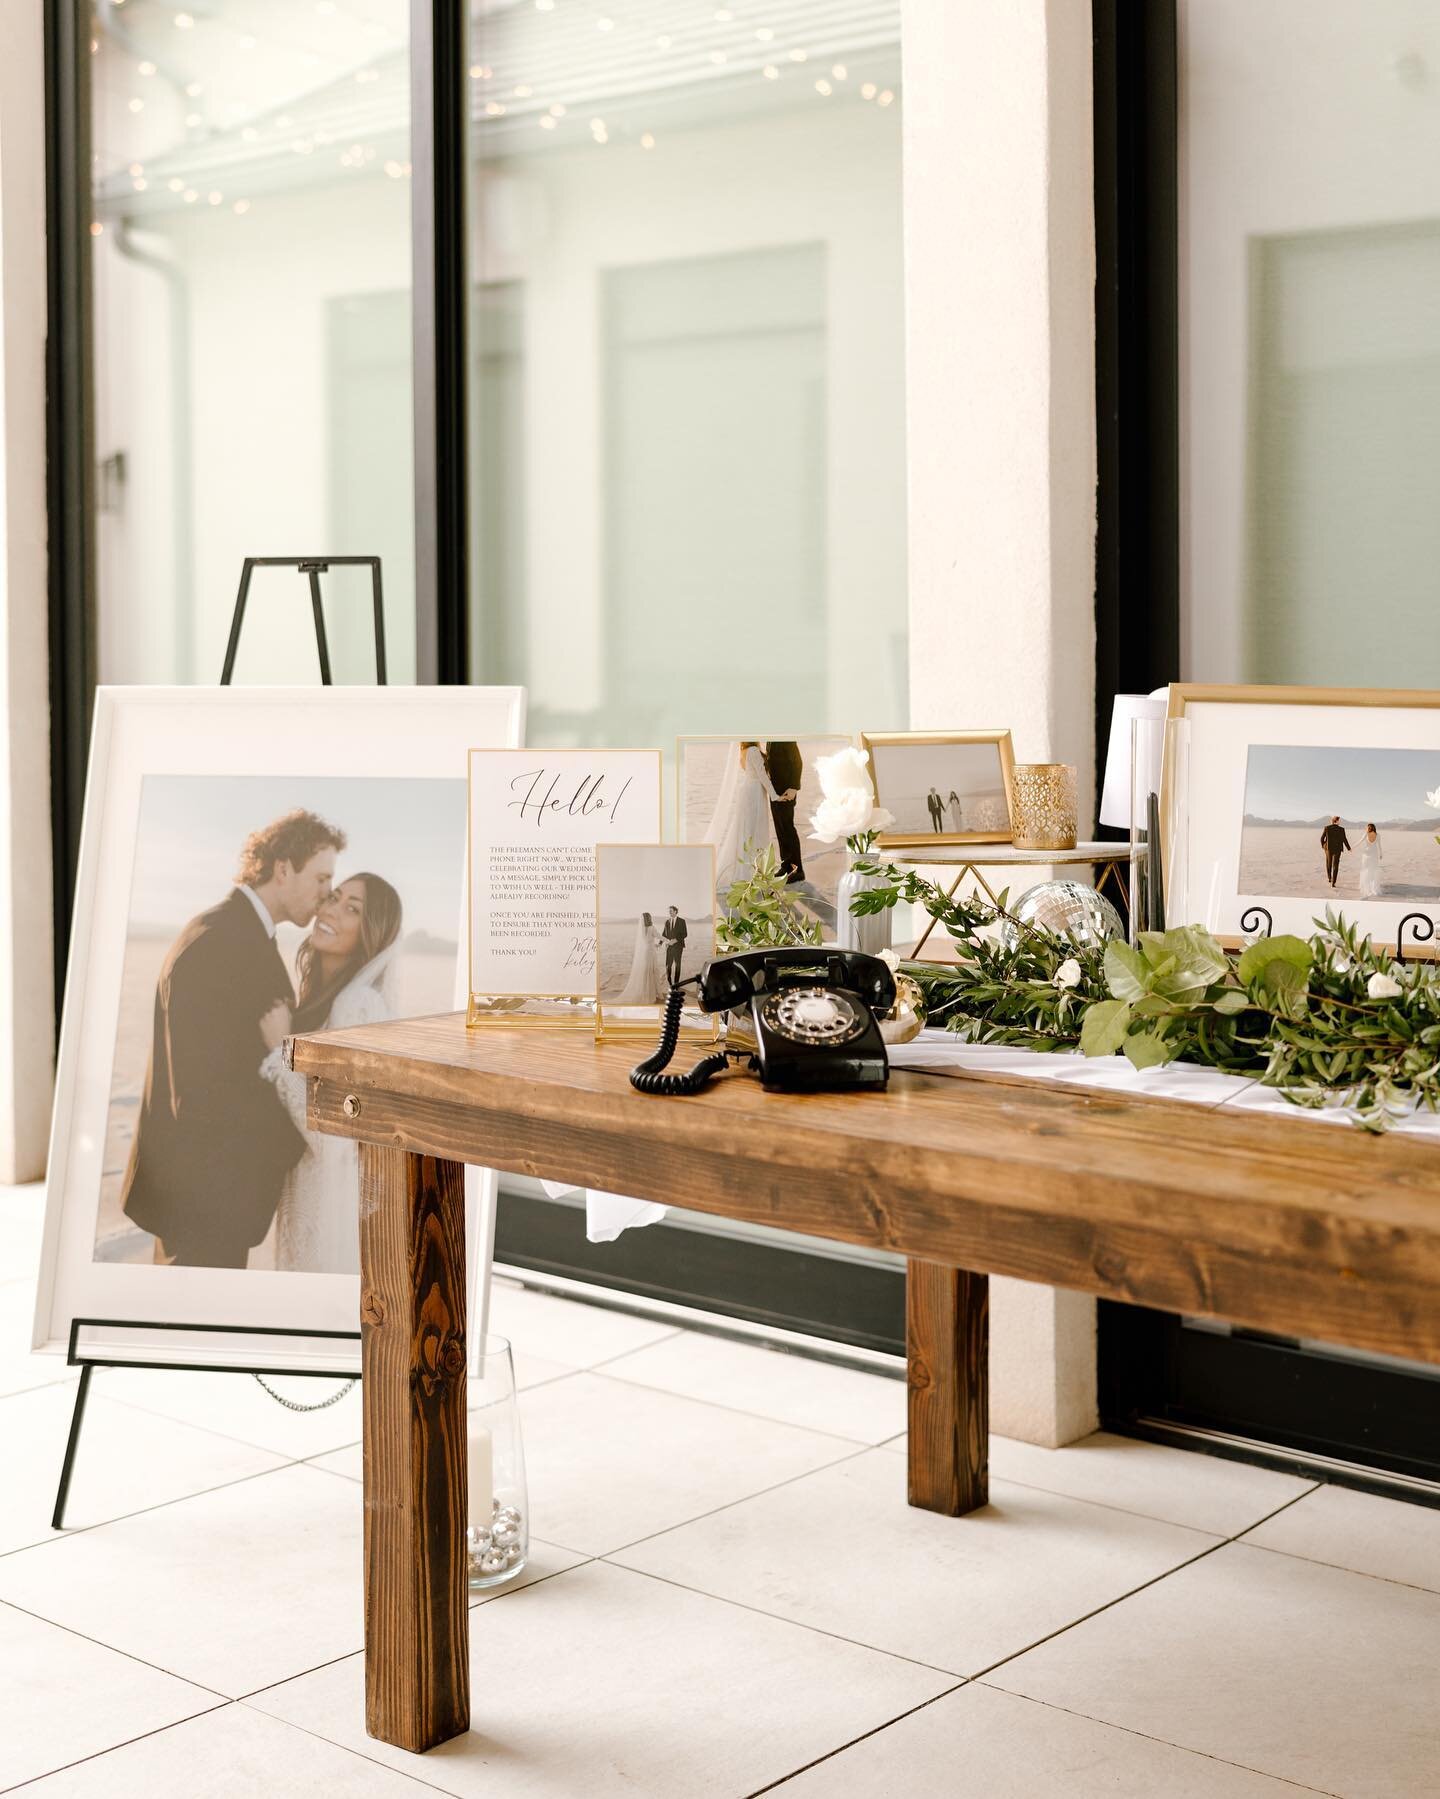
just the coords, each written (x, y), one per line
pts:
(1370, 882)
(741, 829)
(341, 967)
(646, 985)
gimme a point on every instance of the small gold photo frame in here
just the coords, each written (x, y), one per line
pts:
(654, 927)
(943, 787)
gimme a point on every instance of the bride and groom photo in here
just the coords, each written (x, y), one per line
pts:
(656, 921)
(751, 796)
(1335, 824)
(310, 919)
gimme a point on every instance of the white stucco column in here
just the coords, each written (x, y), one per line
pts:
(1000, 320)
(26, 998)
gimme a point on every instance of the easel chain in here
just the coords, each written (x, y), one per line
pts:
(294, 1405)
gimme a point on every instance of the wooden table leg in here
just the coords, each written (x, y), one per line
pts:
(947, 1346)
(412, 1318)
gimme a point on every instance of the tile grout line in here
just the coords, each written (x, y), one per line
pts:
(1120, 1598)
(1164, 1742)
(81, 1530)
(718, 1405)
(100, 1754)
(864, 1736)
(129, 1655)
(817, 1630)
(372, 1761)
(1315, 1561)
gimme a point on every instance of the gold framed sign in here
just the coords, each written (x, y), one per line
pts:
(536, 819)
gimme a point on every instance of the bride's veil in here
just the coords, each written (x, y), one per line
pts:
(724, 827)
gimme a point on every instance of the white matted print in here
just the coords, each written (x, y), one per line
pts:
(1284, 787)
(946, 787)
(254, 862)
(655, 911)
(537, 818)
(749, 796)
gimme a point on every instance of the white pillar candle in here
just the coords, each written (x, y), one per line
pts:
(480, 1462)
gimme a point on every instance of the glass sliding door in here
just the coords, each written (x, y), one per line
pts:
(688, 492)
(251, 280)
(1309, 426)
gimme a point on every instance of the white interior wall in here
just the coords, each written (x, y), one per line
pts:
(1000, 341)
(26, 995)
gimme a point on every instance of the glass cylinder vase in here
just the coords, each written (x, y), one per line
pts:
(868, 932)
(497, 1536)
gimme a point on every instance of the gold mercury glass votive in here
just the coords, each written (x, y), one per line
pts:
(1044, 805)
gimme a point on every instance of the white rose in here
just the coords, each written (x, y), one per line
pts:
(843, 772)
(1068, 973)
(847, 808)
(1383, 986)
(890, 959)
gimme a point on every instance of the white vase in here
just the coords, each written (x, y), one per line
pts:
(870, 932)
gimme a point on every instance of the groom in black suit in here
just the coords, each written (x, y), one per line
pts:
(674, 932)
(213, 1142)
(784, 770)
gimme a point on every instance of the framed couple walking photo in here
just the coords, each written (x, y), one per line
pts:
(1302, 798)
(254, 863)
(654, 928)
(942, 788)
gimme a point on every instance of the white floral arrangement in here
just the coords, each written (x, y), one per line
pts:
(847, 811)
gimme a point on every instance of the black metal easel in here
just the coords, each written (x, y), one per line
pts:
(312, 567)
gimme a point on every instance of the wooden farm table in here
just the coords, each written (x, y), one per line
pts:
(1288, 1225)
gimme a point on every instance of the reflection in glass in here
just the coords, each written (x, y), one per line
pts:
(689, 494)
(251, 226)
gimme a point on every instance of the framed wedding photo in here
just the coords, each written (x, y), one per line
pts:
(948, 787)
(1301, 798)
(749, 796)
(654, 928)
(254, 862)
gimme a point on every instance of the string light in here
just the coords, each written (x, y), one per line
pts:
(604, 24)
(765, 34)
(557, 111)
(770, 72)
(840, 72)
(139, 184)
(175, 184)
(494, 110)
(798, 56)
(137, 168)
(723, 16)
(96, 228)
(183, 21)
(214, 198)
(192, 119)
(147, 68)
(718, 57)
(241, 206)
(190, 196)
(868, 91)
(137, 106)
(523, 92)
(823, 87)
(647, 140)
(885, 98)
(664, 41)
(249, 135)
(546, 122)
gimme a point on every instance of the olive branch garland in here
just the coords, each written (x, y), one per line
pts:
(1325, 1020)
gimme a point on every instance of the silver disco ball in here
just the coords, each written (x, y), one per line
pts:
(1069, 909)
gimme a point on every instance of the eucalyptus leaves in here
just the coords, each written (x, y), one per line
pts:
(1326, 1020)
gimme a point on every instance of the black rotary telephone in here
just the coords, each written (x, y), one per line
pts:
(813, 1012)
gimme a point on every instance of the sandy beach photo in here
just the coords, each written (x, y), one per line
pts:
(1337, 824)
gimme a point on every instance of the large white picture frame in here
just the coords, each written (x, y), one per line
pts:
(1267, 770)
(400, 755)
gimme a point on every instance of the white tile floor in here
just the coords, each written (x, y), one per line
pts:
(729, 1596)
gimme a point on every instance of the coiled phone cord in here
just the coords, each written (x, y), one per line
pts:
(646, 1076)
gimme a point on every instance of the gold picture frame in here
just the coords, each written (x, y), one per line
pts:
(1286, 911)
(642, 1020)
(548, 1010)
(897, 836)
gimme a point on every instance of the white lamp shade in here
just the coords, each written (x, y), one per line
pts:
(1115, 796)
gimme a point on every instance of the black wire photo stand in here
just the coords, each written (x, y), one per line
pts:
(312, 567)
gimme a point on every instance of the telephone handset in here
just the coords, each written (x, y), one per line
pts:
(813, 1012)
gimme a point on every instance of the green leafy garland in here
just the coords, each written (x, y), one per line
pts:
(1326, 1019)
